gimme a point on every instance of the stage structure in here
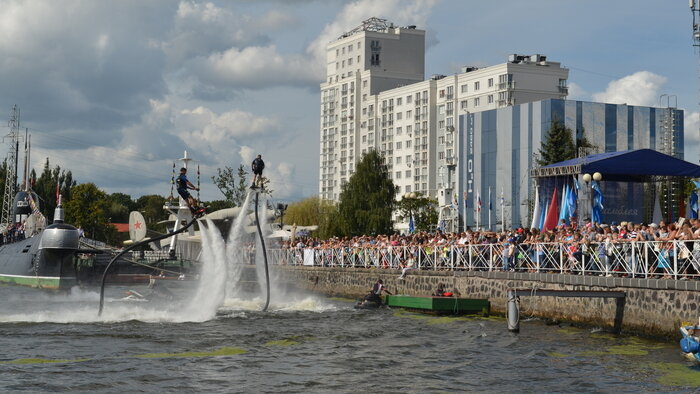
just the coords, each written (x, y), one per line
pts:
(617, 186)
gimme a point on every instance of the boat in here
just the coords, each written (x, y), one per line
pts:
(690, 343)
(453, 305)
(32, 253)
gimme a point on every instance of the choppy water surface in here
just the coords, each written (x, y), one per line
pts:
(56, 342)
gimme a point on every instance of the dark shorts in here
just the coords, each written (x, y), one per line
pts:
(257, 172)
(184, 193)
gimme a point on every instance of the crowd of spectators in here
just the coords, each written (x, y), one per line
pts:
(590, 238)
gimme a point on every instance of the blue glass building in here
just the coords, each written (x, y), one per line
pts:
(498, 148)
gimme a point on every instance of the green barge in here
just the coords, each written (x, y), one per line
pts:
(452, 305)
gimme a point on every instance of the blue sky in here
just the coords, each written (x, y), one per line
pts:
(114, 91)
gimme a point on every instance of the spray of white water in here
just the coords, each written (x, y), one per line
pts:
(218, 289)
(236, 248)
(212, 278)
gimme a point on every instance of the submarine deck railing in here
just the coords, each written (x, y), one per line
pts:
(636, 259)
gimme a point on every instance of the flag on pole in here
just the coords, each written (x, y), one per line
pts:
(58, 193)
(693, 205)
(503, 200)
(478, 201)
(550, 221)
(597, 216)
(490, 207)
(411, 226)
(563, 212)
(537, 212)
(466, 200)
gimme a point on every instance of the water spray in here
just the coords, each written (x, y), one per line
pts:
(158, 238)
(262, 242)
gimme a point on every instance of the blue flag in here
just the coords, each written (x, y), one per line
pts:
(411, 227)
(597, 216)
(693, 205)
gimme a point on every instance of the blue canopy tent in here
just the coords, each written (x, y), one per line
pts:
(631, 166)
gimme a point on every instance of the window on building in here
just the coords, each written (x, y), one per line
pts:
(441, 124)
(350, 48)
(476, 86)
(358, 59)
(450, 92)
(398, 175)
(441, 155)
(476, 102)
(398, 146)
(441, 109)
(399, 101)
(409, 99)
(408, 175)
(337, 52)
(441, 140)
(407, 188)
(463, 88)
(463, 104)
(490, 98)
(408, 143)
(364, 138)
(408, 159)
(398, 130)
(337, 66)
(409, 128)
(442, 93)
(490, 82)
(350, 62)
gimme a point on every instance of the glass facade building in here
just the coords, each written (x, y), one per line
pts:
(498, 148)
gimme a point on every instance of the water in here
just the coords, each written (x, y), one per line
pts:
(308, 344)
(213, 338)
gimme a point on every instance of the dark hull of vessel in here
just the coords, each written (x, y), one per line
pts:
(24, 263)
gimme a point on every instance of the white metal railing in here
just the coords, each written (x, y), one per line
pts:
(653, 259)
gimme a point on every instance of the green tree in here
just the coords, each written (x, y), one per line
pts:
(424, 210)
(88, 209)
(216, 205)
(45, 187)
(234, 187)
(120, 206)
(315, 211)
(367, 199)
(558, 145)
(151, 207)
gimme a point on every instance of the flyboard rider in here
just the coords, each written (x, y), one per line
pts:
(257, 166)
(182, 185)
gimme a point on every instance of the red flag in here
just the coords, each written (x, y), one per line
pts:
(550, 222)
(58, 193)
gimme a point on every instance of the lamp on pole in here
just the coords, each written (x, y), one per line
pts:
(281, 208)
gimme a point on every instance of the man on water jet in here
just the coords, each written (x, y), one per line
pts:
(182, 185)
(258, 166)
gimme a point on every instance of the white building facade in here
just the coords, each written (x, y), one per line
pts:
(375, 96)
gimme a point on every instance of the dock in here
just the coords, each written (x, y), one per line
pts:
(452, 305)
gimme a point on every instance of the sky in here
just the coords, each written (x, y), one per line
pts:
(116, 91)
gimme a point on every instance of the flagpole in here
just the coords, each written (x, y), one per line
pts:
(478, 208)
(490, 210)
(503, 216)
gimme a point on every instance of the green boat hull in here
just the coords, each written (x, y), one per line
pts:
(440, 304)
(43, 282)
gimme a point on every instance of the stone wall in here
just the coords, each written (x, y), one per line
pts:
(653, 307)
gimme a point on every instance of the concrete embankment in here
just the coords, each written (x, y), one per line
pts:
(653, 306)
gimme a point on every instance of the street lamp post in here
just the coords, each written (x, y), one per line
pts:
(281, 208)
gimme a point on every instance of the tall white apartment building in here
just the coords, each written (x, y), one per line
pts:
(375, 96)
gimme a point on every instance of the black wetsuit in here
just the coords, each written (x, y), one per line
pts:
(258, 166)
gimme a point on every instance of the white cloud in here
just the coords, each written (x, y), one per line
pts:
(640, 88)
(254, 68)
(691, 137)
(262, 66)
(576, 92)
